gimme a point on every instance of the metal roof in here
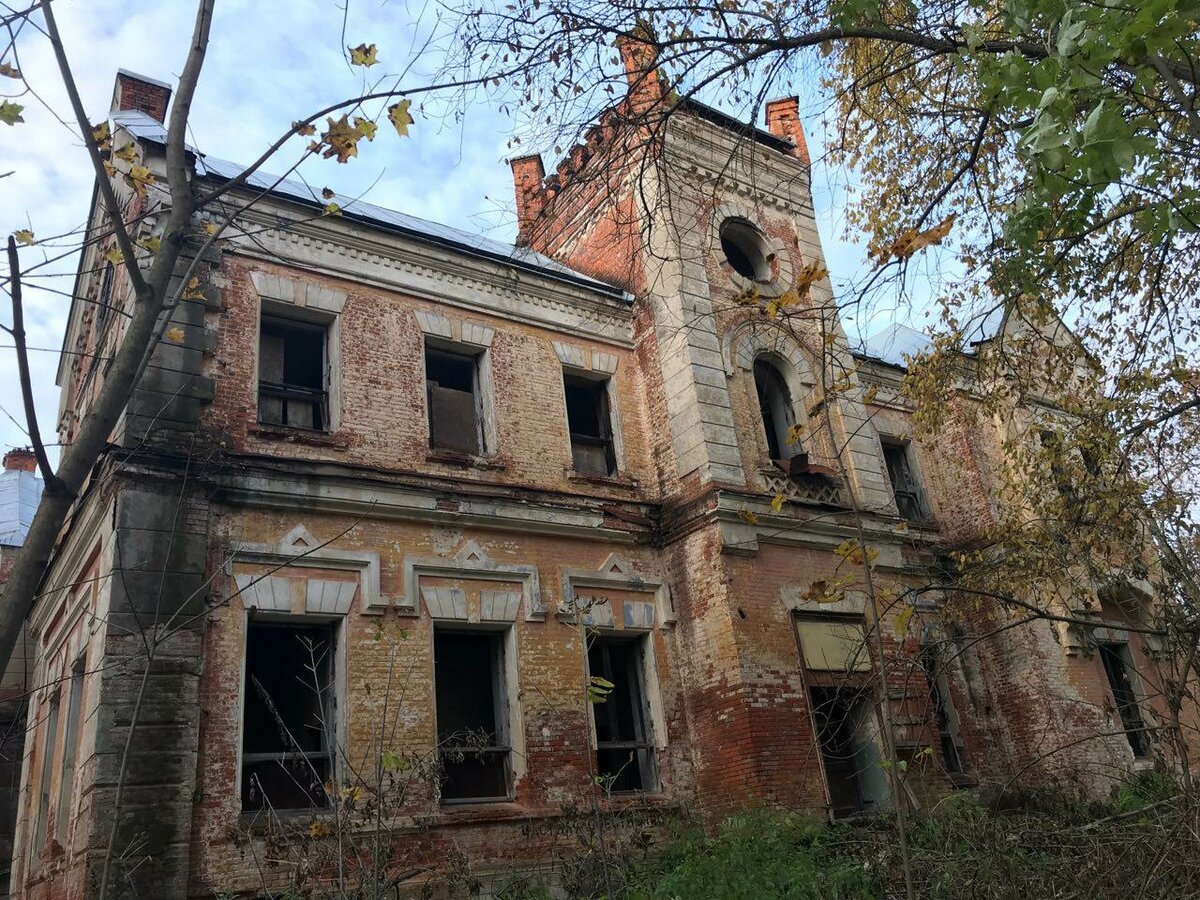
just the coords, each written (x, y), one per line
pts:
(145, 128)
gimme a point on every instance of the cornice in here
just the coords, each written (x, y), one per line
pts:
(359, 253)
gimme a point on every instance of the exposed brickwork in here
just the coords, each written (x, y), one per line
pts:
(683, 543)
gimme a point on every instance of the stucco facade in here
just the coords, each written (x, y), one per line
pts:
(675, 534)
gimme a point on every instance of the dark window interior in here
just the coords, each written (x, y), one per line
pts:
(741, 246)
(452, 391)
(1117, 666)
(291, 374)
(939, 701)
(775, 406)
(471, 715)
(904, 482)
(590, 425)
(624, 752)
(837, 712)
(286, 747)
(104, 299)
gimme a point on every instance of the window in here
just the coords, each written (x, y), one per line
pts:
(292, 383)
(743, 247)
(775, 407)
(287, 721)
(104, 298)
(472, 715)
(590, 425)
(624, 745)
(944, 718)
(453, 397)
(66, 786)
(837, 669)
(48, 745)
(1118, 666)
(904, 481)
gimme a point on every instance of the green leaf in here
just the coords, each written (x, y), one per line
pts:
(10, 113)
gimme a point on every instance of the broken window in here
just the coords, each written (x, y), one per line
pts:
(775, 407)
(1118, 666)
(453, 395)
(292, 385)
(624, 745)
(287, 723)
(48, 745)
(590, 425)
(66, 786)
(905, 487)
(472, 714)
(837, 670)
(944, 718)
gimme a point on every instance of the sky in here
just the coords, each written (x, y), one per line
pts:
(269, 63)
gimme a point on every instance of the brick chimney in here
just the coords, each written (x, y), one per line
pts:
(20, 459)
(639, 53)
(528, 175)
(133, 91)
(783, 120)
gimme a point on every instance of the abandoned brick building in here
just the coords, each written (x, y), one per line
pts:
(394, 462)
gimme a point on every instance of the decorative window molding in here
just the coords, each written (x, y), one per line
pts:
(745, 343)
(456, 330)
(298, 549)
(302, 294)
(853, 603)
(471, 563)
(616, 574)
(585, 358)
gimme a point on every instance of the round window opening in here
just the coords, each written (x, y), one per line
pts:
(745, 250)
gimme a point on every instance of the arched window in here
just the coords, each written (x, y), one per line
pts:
(775, 406)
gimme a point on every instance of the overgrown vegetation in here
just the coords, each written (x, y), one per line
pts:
(1141, 844)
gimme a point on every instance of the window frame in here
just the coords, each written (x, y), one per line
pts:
(482, 387)
(787, 406)
(41, 825)
(335, 705)
(613, 442)
(505, 697)
(301, 319)
(917, 493)
(71, 736)
(647, 760)
(1136, 732)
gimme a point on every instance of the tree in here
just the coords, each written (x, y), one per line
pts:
(157, 228)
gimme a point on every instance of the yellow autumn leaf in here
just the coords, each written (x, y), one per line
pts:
(102, 135)
(795, 433)
(747, 516)
(363, 55)
(810, 275)
(192, 291)
(332, 209)
(109, 169)
(127, 153)
(211, 228)
(400, 117)
(318, 829)
(902, 619)
(23, 236)
(871, 393)
(911, 241)
(115, 256)
(174, 335)
(138, 178)
(304, 128)
(901, 528)
(365, 127)
(777, 502)
(151, 244)
(9, 71)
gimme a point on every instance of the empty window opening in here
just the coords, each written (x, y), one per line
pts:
(624, 745)
(66, 786)
(1118, 666)
(775, 407)
(744, 249)
(944, 717)
(48, 745)
(847, 733)
(287, 723)
(472, 715)
(292, 385)
(590, 425)
(452, 392)
(905, 487)
(104, 298)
